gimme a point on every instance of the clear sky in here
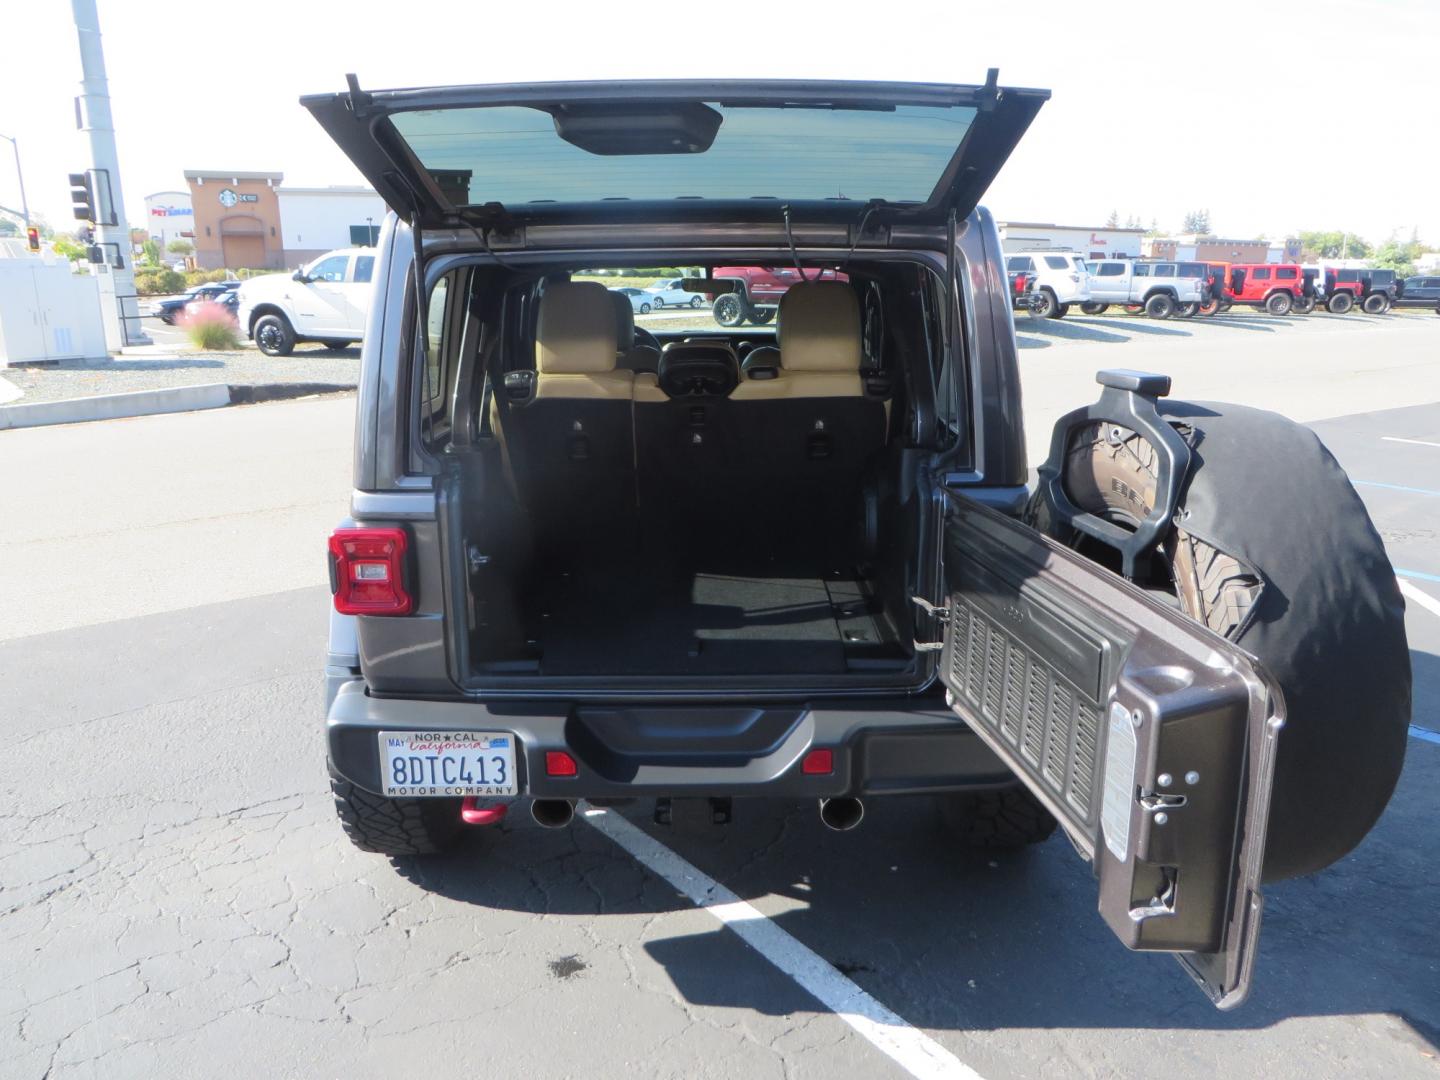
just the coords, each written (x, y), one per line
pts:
(1275, 116)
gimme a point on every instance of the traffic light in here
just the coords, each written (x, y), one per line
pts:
(82, 195)
(32, 237)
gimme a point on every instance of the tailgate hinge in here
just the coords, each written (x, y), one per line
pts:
(941, 615)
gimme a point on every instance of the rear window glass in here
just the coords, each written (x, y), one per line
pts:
(1193, 270)
(1057, 262)
(1285, 273)
(1108, 269)
(1142, 270)
(1262, 273)
(1019, 262)
(514, 155)
(1164, 269)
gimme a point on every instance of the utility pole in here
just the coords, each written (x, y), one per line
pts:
(20, 176)
(112, 234)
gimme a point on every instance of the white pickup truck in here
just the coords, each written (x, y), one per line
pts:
(1158, 287)
(327, 300)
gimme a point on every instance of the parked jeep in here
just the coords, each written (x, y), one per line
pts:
(804, 562)
(1155, 288)
(1273, 287)
(327, 300)
(1379, 290)
(1057, 278)
(753, 292)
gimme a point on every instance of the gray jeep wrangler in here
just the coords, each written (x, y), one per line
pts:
(594, 560)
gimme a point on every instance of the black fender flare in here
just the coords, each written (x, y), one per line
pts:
(1329, 622)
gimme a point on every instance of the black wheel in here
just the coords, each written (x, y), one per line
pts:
(762, 315)
(1094, 307)
(1226, 305)
(395, 826)
(1340, 303)
(336, 346)
(1304, 306)
(1061, 310)
(1375, 304)
(1044, 304)
(1210, 307)
(1259, 597)
(1188, 311)
(1279, 303)
(696, 301)
(274, 336)
(995, 820)
(1160, 306)
(729, 310)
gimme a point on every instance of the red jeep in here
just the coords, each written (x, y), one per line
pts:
(1343, 289)
(1273, 287)
(759, 291)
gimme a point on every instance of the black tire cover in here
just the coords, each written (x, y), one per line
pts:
(1329, 622)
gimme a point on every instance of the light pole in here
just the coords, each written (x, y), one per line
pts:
(24, 206)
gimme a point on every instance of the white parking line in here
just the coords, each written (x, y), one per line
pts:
(1412, 442)
(911, 1049)
(1424, 599)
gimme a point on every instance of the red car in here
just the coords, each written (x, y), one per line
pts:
(759, 292)
(1274, 287)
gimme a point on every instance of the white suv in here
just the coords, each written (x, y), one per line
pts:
(327, 300)
(1060, 279)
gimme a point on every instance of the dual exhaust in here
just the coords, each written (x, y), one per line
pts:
(841, 814)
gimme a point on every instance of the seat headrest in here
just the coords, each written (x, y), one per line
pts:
(698, 369)
(624, 322)
(576, 330)
(762, 363)
(820, 327)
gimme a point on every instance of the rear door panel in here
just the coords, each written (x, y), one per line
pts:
(1150, 738)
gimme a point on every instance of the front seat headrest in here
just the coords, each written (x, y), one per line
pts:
(698, 369)
(624, 322)
(575, 333)
(820, 327)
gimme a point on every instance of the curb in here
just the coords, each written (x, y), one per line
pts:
(154, 402)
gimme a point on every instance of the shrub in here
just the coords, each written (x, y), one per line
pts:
(247, 272)
(210, 326)
(201, 277)
(158, 282)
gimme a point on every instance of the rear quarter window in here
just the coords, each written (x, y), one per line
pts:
(1285, 273)
(1262, 273)
(1104, 269)
(1057, 262)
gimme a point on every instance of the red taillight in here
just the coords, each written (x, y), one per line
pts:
(818, 763)
(1020, 281)
(367, 571)
(559, 763)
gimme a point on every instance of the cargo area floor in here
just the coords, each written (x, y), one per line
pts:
(693, 620)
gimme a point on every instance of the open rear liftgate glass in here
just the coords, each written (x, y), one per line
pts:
(1150, 738)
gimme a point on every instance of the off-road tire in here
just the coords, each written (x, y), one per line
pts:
(1043, 304)
(1375, 304)
(1279, 303)
(761, 316)
(336, 346)
(1211, 307)
(995, 820)
(1188, 311)
(274, 336)
(729, 310)
(1160, 306)
(1340, 303)
(1304, 306)
(1094, 307)
(1061, 310)
(1210, 586)
(395, 826)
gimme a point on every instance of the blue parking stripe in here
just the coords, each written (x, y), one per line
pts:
(1425, 733)
(1396, 487)
(1418, 575)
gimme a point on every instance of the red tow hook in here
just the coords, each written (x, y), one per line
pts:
(471, 814)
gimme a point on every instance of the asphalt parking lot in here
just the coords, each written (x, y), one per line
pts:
(176, 898)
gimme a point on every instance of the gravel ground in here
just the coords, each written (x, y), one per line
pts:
(142, 370)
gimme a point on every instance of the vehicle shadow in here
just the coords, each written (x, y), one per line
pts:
(958, 940)
(1069, 329)
(1136, 324)
(1023, 341)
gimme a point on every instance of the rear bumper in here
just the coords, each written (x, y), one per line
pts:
(879, 747)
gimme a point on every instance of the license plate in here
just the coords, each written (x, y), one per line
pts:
(447, 763)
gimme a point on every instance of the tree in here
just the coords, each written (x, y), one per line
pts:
(152, 252)
(180, 247)
(1398, 255)
(1196, 221)
(1315, 246)
(67, 246)
(1113, 221)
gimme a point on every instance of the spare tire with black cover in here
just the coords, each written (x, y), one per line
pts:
(1274, 550)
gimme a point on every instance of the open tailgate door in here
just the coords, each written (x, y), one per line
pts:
(1148, 736)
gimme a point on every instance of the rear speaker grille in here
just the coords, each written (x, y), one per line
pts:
(1025, 703)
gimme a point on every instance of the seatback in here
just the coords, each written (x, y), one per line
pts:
(807, 424)
(571, 440)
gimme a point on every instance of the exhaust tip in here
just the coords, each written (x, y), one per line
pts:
(552, 813)
(841, 814)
